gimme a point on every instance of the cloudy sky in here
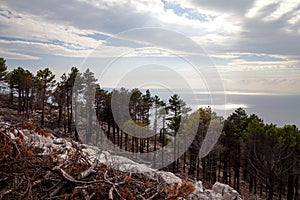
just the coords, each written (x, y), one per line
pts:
(254, 45)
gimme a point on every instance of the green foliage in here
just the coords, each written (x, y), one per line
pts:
(234, 126)
(166, 142)
(89, 86)
(45, 81)
(289, 134)
(18, 78)
(21, 80)
(3, 67)
(158, 106)
(270, 151)
(45, 78)
(176, 109)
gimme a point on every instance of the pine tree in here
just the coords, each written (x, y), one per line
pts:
(176, 109)
(45, 81)
(89, 82)
(3, 68)
(233, 129)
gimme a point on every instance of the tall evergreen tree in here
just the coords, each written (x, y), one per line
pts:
(176, 109)
(157, 105)
(22, 81)
(73, 76)
(89, 82)
(3, 68)
(234, 126)
(45, 80)
(59, 95)
(204, 116)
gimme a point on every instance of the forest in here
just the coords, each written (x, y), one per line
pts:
(250, 155)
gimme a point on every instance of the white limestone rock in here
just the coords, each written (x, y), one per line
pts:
(219, 191)
(169, 177)
(227, 192)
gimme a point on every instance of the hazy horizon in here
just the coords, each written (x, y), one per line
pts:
(279, 109)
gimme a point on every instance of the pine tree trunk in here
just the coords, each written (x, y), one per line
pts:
(297, 188)
(192, 166)
(255, 186)
(126, 141)
(184, 162)
(23, 101)
(261, 189)
(290, 193)
(114, 133)
(251, 184)
(27, 104)
(155, 131)
(229, 173)
(11, 95)
(118, 135)
(108, 130)
(198, 167)
(132, 144)
(89, 122)
(174, 154)
(238, 169)
(147, 145)
(68, 113)
(163, 142)
(137, 146)
(19, 102)
(271, 187)
(225, 177)
(71, 114)
(214, 169)
(59, 115)
(121, 139)
(76, 116)
(43, 106)
(280, 187)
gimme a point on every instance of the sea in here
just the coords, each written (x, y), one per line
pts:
(280, 109)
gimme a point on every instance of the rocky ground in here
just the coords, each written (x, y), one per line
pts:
(36, 164)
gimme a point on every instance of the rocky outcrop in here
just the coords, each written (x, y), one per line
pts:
(219, 191)
(31, 135)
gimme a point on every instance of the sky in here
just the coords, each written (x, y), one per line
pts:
(245, 47)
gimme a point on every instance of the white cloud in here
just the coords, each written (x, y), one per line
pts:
(283, 8)
(258, 7)
(228, 31)
(295, 18)
(278, 9)
(31, 27)
(244, 66)
(17, 56)
(57, 26)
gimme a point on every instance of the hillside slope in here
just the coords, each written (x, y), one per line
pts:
(35, 164)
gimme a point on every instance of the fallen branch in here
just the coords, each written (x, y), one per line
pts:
(5, 192)
(12, 141)
(68, 177)
(113, 187)
(85, 195)
(154, 195)
(110, 193)
(90, 170)
(59, 186)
